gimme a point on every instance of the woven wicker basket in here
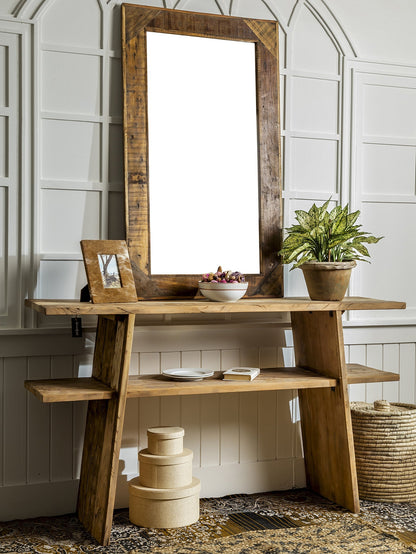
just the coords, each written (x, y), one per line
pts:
(385, 450)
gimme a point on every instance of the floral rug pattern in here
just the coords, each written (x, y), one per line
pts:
(291, 521)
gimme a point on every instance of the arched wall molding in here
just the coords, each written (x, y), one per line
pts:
(35, 9)
(341, 34)
(29, 8)
(44, 5)
(327, 21)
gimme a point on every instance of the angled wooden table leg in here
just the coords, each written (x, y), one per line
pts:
(104, 426)
(325, 413)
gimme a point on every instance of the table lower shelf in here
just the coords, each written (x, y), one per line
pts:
(84, 388)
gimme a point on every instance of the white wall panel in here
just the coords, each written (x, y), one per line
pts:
(388, 280)
(115, 92)
(61, 424)
(75, 23)
(61, 279)
(7, 6)
(2, 427)
(407, 385)
(170, 407)
(130, 449)
(313, 49)
(71, 83)
(191, 421)
(38, 425)
(14, 425)
(3, 250)
(315, 165)
(266, 430)
(12, 114)
(3, 146)
(389, 169)
(314, 105)
(391, 362)
(4, 55)
(71, 150)
(67, 217)
(116, 220)
(389, 109)
(210, 416)
(374, 359)
(115, 156)
(288, 430)
(207, 6)
(229, 411)
(372, 29)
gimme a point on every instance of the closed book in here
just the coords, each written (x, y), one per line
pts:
(241, 373)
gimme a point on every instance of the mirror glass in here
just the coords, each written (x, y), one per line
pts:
(203, 163)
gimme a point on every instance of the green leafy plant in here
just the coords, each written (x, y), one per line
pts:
(326, 237)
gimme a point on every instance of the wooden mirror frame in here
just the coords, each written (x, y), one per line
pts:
(136, 21)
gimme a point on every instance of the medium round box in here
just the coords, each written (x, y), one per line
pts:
(164, 508)
(165, 472)
(165, 441)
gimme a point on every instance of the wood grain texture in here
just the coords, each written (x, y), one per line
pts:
(325, 413)
(358, 373)
(248, 306)
(136, 21)
(269, 379)
(69, 390)
(267, 34)
(104, 427)
(91, 251)
(75, 389)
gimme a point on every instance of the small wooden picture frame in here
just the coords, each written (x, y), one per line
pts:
(108, 269)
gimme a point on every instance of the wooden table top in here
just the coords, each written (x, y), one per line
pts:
(201, 306)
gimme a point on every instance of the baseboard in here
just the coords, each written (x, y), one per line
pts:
(41, 499)
(52, 499)
(228, 479)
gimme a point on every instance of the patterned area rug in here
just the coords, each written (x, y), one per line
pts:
(331, 538)
(293, 522)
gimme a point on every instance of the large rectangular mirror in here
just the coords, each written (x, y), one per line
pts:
(202, 151)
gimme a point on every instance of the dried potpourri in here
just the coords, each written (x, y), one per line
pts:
(221, 276)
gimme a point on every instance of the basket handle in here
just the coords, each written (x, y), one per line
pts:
(382, 406)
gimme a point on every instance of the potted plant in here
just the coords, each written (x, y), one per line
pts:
(326, 245)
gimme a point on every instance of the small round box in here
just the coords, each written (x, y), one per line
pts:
(165, 441)
(164, 508)
(165, 472)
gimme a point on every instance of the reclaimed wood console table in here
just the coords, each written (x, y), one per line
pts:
(321, 375)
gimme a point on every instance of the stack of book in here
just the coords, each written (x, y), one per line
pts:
(241, 373)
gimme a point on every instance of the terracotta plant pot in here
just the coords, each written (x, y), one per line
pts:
(327, 280)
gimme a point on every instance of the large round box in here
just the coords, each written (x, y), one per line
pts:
(165, 441)
(163, 508)
(385, 450)
(165, 472)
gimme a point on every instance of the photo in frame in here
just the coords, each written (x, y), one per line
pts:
(108, 269)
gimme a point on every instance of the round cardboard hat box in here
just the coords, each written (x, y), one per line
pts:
(164, 508)
(165, 472)
(165, 441)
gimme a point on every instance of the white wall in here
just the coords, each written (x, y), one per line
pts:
(348, 80)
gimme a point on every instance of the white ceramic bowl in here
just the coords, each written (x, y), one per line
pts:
(222, 292)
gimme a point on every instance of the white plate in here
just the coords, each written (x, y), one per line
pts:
(184, 374)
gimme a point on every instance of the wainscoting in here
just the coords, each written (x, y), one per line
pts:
(241, 442)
